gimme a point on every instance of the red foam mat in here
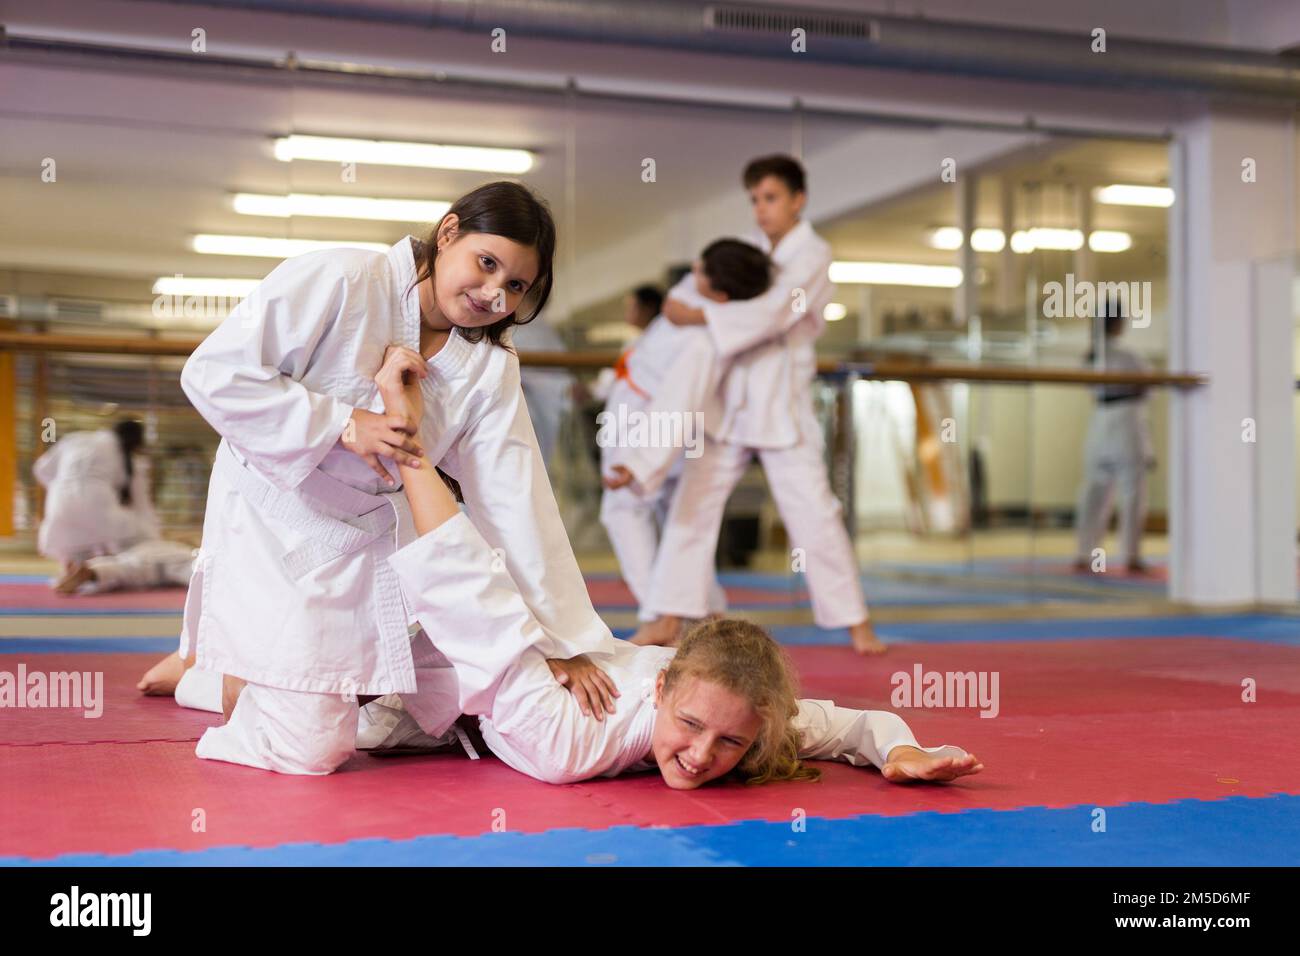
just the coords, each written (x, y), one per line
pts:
(1082, 722)
(40, 597)
(126, 716)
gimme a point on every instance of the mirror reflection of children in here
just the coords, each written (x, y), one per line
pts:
(723, 701)
(98, 500)
(651, 369)
(1117, 456)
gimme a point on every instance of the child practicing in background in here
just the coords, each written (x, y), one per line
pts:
(292, 599)
(641, 306)
(725, 700)
(1117, 453)
(763, 406)
(98, 499)
(664, 355)
(149, 564)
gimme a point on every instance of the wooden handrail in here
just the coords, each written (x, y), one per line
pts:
(890, 370)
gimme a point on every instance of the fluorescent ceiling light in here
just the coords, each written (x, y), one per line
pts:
(186, 285)
(1027, 240)
(834, 311)
(1069, 240)
(1043, 237)
(1109, 240)
(340, 207)
(895, 273)
(393, 153)
(272, 248)
(1120, 194)
(982, 240)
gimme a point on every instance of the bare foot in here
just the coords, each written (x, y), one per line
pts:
(664, 632)
(1139, 567)
(910, 765)
(161, 679)
(1082, 567)
(865, 640)
(230, 690)
(73, 578)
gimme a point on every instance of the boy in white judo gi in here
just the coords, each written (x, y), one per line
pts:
(725, 701)
(1117, 455)
(650, 377)
(763, 407)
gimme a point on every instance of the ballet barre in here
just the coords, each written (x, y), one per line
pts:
(891, 370)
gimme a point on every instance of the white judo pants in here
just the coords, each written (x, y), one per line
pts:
(1116, 457)
(808, 507)
(298, 732)
(634, 523)
(149, 564)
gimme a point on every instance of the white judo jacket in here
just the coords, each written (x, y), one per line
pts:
(769, 344)
(84, 475)
(291, 588)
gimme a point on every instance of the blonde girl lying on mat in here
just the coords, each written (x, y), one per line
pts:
(723, 701)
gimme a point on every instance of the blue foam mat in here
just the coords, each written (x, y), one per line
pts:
(1234, 831)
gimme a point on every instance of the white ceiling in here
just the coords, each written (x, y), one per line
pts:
(148, 158)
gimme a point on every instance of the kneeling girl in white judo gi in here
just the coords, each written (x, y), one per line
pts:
(723, 701)
(98, 498)
(292, 598)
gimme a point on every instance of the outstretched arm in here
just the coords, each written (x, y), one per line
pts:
(879, 738)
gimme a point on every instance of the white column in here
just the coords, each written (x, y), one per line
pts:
(1232, 243)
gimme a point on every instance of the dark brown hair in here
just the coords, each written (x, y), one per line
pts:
(130, 439)
(785, 168)
(649, 297)
(513, 212)
(740, 270)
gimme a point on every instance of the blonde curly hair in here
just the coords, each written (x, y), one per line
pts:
(743, 658)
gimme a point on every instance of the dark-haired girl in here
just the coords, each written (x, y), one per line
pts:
(292, 597)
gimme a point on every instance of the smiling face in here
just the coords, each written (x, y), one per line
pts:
(480, 278)
(776, 208)
(701, 731)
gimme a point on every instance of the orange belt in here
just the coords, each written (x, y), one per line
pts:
(621, 371)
